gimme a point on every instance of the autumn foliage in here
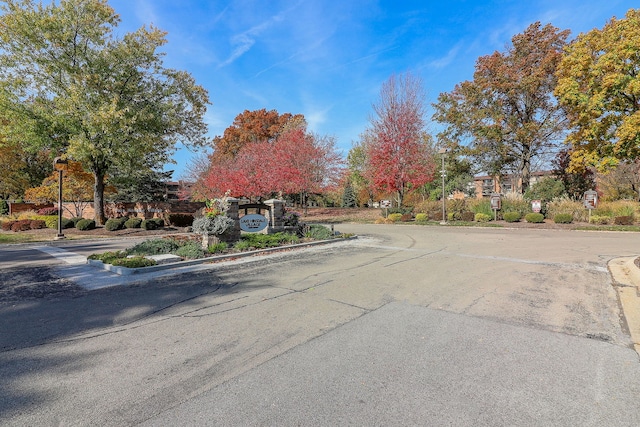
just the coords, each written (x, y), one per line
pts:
(295, 162)
(398, 158)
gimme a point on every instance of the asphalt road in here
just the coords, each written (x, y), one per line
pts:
(406, 325)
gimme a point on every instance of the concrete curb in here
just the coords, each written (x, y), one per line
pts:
(626, 276)
(124, 271)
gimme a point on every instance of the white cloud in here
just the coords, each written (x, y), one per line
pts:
(244, 41)
(447, 59)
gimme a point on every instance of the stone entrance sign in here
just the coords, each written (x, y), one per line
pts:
(253, 223)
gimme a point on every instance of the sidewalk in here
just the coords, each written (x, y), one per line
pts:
(626, 277)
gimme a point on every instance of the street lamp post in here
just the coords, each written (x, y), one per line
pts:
(60, 165)
(443, 152)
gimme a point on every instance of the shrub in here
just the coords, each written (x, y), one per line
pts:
(86, 224)
(395, 217)
(514, 202)
(422, 217)
(4, 207)
(243, 245)
(600, 219)
(48, 211)
(190, 250)
(291, 218)
(27, 215)
(390, 211)
(133, 222)
(406, 217)
(511, 216)
(75, 220)
(534, 217)
(563, 218)
(451, 216)
(564, 205)
(21, 225)
(114, 224)
(66, 223)
(37, 224)
(154, 247)
(468, 216)
(180, 220)
(318, 232)
(482, 206)
(159, 222)
(456, 207)
(217, 247)
(148, 224)
(108, 257)
(623, 220)
(6, 225)
(432, 208)
(482, 217)
(624, 208)
(52, 221)
(135, 262)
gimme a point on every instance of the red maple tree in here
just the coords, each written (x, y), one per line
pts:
(398, 154)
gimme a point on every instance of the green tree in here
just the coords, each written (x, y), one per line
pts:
(546, 190)
(507, 117)
(74, 86)
(459, 174)
(21, 169)
(599, 87)
(357, 169)
(142, 186)
(575, 182)
(349, 196)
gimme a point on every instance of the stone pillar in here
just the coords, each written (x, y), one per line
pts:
(233, 235)
(276, 213)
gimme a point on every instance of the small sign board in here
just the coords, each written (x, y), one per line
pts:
(385, 203)
(496, 202)
(253, 223)
(590, 199)
(536, 206)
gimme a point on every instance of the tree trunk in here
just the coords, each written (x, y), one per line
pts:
(526, 173)
(98, 197)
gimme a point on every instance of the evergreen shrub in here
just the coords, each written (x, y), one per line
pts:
(133, 222)
(114, 224)
(180, 220)
(563, 218)
(534, 217)
(511, 216)
(482, 217)
(86, 224)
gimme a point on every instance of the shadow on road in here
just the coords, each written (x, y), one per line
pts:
(36, 308)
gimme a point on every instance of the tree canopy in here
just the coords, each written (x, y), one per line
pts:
(254, 126)
(69, 84)
(297, 162)
(76, 188)
(397, 153)
(599, 87)
(506, 117)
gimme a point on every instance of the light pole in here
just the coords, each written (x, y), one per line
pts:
(60, 165)
(443, 152)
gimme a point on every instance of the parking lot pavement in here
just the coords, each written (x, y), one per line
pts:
(463, 371)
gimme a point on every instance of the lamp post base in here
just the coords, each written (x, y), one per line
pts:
(60, 237)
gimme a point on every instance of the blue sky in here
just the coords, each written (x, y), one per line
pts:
(327, 59)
